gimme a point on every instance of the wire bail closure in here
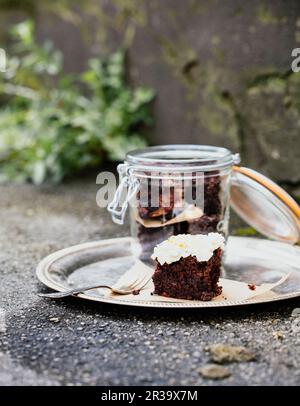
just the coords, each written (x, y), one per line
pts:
(116, 207)
(236, 159)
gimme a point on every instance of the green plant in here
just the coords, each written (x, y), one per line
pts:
(52, 124)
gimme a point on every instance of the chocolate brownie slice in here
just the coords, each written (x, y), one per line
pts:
(187, 271)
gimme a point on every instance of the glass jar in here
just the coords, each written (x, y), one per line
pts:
(173, 189)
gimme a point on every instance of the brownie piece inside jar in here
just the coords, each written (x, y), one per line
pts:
(149, 237)
(212, 212)
(167, 208)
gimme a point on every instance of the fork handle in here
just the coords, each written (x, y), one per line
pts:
(71, 292)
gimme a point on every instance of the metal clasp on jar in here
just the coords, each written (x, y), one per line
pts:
(129, 185)
(236, 159)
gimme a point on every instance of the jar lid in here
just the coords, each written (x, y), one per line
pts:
(265, 205)
(182, 157)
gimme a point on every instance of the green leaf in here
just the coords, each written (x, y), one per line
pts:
(24, 32)
(54, 125)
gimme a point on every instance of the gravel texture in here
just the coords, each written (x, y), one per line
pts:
(73, 342)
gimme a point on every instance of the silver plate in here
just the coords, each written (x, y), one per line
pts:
(250, 260)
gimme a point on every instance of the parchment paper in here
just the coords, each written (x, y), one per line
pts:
(232, 290)
(191, 212)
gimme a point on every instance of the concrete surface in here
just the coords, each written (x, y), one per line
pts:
(74, 342)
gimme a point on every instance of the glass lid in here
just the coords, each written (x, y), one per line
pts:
(182, 157)
(265, 205)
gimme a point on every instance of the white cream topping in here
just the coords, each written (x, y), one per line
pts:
(179, 246)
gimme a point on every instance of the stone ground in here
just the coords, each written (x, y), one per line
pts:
(74, 342)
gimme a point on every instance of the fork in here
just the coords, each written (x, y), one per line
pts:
(137, 285)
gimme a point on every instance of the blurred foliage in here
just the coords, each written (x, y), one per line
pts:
(53, 124)
(95, 19)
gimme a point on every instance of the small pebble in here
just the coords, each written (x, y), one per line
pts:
(278, 335)
(29, 212)
(296, 312)
(214, 371)
(296, 325)
(55, 319)
(2, 321)
(222, 353)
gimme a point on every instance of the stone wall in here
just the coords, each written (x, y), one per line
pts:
(221, 69)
